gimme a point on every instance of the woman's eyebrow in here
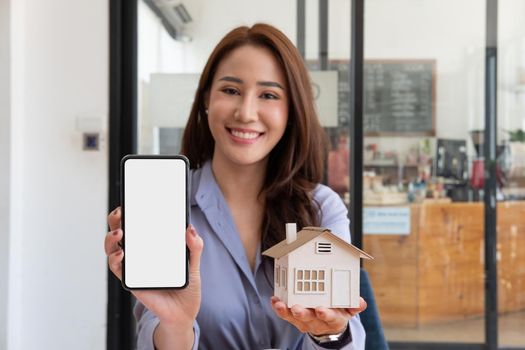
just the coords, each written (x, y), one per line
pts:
(262, 83)
(270, 83)
(232, 79)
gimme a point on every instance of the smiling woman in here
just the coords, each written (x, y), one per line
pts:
(256, 149)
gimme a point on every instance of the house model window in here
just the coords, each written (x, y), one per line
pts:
(310, 281)
(283, 277)
(276, 275)
(323, 247)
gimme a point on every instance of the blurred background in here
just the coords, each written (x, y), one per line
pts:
(80, 79)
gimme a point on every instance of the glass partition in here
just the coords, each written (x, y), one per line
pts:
(423, 168)
(511, 170)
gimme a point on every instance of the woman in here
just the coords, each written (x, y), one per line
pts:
(256, 149)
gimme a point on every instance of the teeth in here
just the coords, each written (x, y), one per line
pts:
(244, 135)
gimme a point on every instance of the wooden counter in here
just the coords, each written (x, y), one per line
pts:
(436, 273)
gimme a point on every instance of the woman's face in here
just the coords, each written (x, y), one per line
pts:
(247, 106)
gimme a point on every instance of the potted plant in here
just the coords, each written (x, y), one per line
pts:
(517, 135)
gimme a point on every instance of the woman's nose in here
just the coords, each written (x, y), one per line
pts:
(247, 110)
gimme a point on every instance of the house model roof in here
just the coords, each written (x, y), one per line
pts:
(305, 235)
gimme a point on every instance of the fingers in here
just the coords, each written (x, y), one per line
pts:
(115, 263)
(328, 315)
(321, 320)
(281, 309)
(115, 253)
(303, 314)
(111, 241)
(114, 219)
(113, 250)
(302, 318)
(306, 315)
(195, 245)
(362, 304)
(361, 308)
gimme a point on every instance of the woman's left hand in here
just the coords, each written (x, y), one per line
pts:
(318, 321)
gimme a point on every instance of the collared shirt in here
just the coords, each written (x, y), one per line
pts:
(235, 311)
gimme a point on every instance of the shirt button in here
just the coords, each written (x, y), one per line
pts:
(257, 302)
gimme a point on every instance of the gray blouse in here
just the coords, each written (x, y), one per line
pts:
(235, 310)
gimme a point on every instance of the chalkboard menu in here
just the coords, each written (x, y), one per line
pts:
(399, 96)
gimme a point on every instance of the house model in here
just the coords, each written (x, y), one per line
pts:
(314, 267)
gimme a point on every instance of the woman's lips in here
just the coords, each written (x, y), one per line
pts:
(245, 136)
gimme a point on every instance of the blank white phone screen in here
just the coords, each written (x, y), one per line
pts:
(155, 223)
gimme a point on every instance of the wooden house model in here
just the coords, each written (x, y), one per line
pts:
(314, 267)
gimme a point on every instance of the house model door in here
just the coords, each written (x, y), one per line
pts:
(341, 288)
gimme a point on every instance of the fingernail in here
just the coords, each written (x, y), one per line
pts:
(193, 231)
(116, 211)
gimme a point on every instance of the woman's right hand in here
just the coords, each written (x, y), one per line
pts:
(176, 309)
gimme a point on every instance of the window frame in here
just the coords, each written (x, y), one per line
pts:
(310, 280)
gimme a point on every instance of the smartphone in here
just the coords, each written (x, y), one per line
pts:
(155, 205)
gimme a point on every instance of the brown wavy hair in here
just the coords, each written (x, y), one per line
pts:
(296, 163)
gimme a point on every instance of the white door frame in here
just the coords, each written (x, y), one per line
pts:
(341, 287)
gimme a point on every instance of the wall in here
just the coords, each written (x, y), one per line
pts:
(58, 193)
(511, 65)
(212, 19)
(16, 160)
(5, 107)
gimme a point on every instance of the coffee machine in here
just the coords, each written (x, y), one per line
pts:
(451, 165)
(477, 173)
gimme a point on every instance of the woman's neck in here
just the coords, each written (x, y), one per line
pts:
(239, 183)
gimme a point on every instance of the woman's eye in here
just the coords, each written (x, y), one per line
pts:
(230, 91)
(269, 96)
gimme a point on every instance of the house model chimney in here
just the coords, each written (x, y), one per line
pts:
(291, 233)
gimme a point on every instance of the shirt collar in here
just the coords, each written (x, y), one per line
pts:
(207, 192)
